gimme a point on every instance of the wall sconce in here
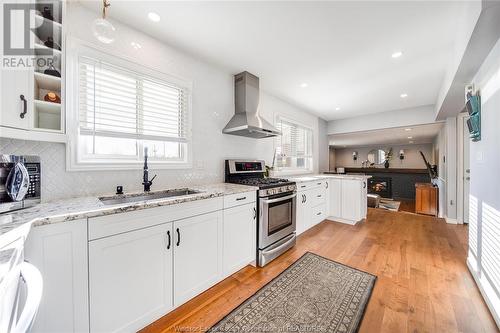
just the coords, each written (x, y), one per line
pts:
(354, 155)
(401, 155)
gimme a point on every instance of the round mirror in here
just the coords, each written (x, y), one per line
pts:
(376, 156)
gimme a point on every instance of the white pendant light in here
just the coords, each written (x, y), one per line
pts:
(103, 30)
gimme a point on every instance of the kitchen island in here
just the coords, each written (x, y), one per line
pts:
(341, 198)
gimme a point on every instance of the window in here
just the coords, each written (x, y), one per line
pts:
(121, 112)
(294, 147)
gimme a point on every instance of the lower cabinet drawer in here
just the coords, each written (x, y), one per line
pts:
(318, 196)
(239, 199)
(318, 213)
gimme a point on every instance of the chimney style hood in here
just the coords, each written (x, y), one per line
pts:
(246, 120)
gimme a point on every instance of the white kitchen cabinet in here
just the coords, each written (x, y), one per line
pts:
(304, 211)
(197, 255)
(347, 200)
(15, 81)
(130, 279)
(335, 197)
(351, 190)
(59, 251)
(239, 238)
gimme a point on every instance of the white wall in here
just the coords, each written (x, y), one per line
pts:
(212, 107)
(323, 153)
(390, 119)
(413, 160)
(484, 200)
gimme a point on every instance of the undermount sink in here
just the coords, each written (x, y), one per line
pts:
(126, 198)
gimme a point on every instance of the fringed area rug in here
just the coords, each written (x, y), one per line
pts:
(314, 294)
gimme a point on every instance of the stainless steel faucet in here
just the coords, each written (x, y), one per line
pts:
(145, 177)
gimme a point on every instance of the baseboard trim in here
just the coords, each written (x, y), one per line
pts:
(487, 300)
(341, 220)
(450, 220)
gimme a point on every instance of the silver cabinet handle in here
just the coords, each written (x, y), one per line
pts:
(326, 184)
(241, 198)
(169, 240)
(254, 213)
(25, 106)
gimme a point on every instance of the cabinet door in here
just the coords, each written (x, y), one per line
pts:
(197, 255)
(327, 198)
(130, 278)
(364, 198)
(335, 198)
(16, 81)
(239, 247)
(59, 251)
(304, 211)
(351, 199)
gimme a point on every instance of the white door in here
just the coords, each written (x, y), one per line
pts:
(130, 279)
(466, 171)
(239, 247)
(16, 81)
(197, 255)
(351, 199)
(335, 197)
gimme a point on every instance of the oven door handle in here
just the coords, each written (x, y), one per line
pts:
(279, 199)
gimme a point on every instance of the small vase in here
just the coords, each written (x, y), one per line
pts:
(386, 164)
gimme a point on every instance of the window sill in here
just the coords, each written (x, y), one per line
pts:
(291, 172)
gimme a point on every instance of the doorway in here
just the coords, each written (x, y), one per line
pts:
(463, 178)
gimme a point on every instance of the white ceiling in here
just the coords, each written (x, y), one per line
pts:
(342, 50)
(390, 136)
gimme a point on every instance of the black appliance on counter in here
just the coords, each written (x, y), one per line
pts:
(19, 182)
(276, 207)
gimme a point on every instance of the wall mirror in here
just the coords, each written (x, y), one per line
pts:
(376, 156)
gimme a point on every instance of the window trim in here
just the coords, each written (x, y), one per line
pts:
(78, 48)
(293, 171)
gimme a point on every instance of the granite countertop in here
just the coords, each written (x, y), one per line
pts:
(313, 177)
(77, 208)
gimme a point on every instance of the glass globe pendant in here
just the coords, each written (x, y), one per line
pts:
(102, 29)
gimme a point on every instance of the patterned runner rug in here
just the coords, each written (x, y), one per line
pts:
(314, 294)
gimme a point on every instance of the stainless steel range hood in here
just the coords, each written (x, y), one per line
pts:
(246, 120)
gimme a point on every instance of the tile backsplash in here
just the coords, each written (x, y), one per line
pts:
(57, 183)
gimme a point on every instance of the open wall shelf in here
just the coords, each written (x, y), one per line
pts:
(49, 116)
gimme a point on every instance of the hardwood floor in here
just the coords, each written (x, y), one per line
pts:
(423, 283)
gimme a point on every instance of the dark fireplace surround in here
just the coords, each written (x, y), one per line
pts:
(381, 186)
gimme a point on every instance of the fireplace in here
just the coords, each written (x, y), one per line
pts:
(381, 186)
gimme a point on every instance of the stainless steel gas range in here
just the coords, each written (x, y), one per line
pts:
(276, 207)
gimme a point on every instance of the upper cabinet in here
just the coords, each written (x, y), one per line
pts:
(32, 89)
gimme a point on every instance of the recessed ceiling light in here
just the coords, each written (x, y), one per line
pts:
(411, 142)
(135, 45)
(397, 54)
(404, 95)
(304, 85)
(154, 17)
(337, 109)
(407, 129)
(410, 137)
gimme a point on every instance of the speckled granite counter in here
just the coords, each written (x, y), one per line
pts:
(73, 209)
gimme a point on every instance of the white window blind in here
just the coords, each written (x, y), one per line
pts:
(117, 102)
(294, 146)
